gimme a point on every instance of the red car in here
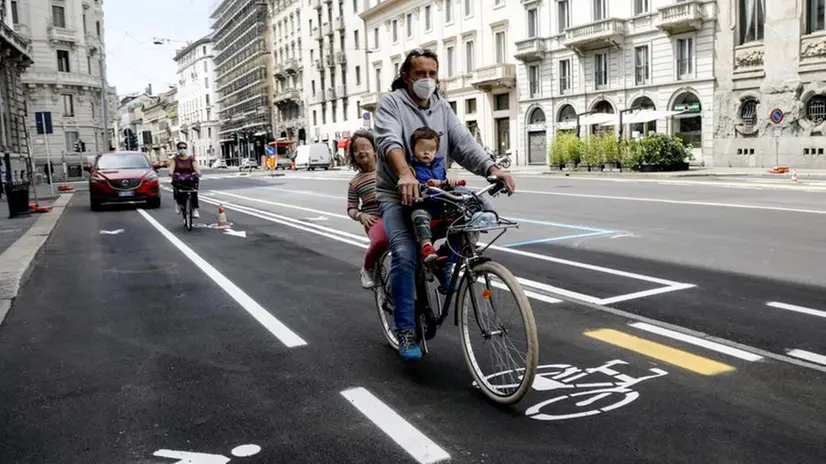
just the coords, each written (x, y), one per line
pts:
(121, 177)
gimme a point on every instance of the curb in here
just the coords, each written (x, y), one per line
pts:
(16, 261)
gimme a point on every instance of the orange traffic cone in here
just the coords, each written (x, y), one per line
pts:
(222, 217)
(794, 176)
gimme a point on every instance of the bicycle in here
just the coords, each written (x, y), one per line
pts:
(466, 219)
(186, 207)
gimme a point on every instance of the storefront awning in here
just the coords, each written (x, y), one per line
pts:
(602, 119)
(566, 125)
(644, 116)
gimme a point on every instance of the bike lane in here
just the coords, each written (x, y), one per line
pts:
(698, 405)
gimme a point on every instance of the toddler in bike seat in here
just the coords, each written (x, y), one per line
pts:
(427, 165)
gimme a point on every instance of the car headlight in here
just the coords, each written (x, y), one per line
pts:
(150, 177)
(97, 180)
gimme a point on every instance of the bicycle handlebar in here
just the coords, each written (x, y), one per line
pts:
(496, 184)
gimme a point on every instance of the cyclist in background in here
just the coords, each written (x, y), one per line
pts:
(184, 170)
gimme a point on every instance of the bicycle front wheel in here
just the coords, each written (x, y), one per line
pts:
(501, 350)
(188, 213)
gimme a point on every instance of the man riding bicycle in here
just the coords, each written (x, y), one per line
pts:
(184, 170)
(414, 102)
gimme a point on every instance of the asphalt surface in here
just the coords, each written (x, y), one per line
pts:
(136, 346)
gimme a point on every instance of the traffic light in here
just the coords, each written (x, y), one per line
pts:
(77, 146)
(130, 140)
(80, 146)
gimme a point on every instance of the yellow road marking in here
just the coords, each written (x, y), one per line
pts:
(664, 353)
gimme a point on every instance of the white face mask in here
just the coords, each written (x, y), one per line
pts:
(424, 88)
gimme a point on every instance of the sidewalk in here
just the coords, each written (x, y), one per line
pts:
(12, 229)
(693, 172)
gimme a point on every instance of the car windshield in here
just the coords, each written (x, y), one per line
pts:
(130, 161)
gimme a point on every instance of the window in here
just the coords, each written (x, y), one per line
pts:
(499, 40)
(533, 23)
(685, 57)
(468, 8)
(408, 23)
(501, 102)
(58, 16)
(564, 15)
(356, 39)
(448, 11)
(84, 23)
(375, 38)
(15, 18)
(600, 7)
(205, 66)
(452, 106)
(97, 28)
(92, 106)
(498, 2)
(451, 61)
(470, 54)
(601, 70)
(395, 30)
(358, 75)
(748, 113)
(641, 65)
(378, 79)
(816, 109)
(427, 24)
(63, 61)
(315, 118)
(564, 75)
(355, 6)
(395, 68)
(68, 105)
(752, 19)
(358, 109)
(88, 64)
(533, 81)
(640, 7)
(470, 106)
(312, 87)
(206, 82)
(209, 129)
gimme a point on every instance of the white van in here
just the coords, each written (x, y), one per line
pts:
(314, 155)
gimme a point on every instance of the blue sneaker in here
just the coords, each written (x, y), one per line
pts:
(408, 347)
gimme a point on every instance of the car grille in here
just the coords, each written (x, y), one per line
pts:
(125, 184)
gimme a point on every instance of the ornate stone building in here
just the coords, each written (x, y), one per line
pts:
(14, 59)
(770, 55)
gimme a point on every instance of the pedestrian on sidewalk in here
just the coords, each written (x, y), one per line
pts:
(361, 201)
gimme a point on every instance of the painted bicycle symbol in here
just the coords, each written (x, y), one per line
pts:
(586, 398)
(190, 457)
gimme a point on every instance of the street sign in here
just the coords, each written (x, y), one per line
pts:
(43, 122)
(777, 115)
(269, 150)
(366, 116)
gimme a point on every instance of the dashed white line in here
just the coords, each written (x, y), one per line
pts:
(417, 445)
(737, 353)
(281, 331)
(808, 356)
(795, 308)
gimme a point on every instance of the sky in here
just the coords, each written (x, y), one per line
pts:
(132, 60)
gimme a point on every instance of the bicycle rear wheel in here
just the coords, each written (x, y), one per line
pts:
(384, 300)
(481, 323)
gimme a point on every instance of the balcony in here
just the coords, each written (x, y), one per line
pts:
(316, 33)
(341, 91)
(291, 66)
(279, 70)
(315, 4)
(61, 78)
(530, 49)
(680, 18)
(92, 40)
(608, 32)
(493, 77)
(341, 57)
(339, 23)
(61, 34)
(371, 100)
(318, 97)
(86, 4)
(287, 96)
(330, 61)
(331, 94)
(327, 29)
(318, 63)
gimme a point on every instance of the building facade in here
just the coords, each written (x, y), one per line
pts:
(66, 77)
(335, 77)
(242, 72)
(198, 109)
(288, 45)
(771, 55)
(583, 60)
(475, 44)
(14, 59)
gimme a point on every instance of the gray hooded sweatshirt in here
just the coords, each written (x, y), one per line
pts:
(398, 116)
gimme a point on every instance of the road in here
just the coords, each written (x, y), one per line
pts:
(136, 346)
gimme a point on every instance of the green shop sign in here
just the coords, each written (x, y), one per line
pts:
(693, 107)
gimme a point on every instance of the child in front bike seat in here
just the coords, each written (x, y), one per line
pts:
(427, 165)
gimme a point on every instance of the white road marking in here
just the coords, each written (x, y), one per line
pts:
(236, 233)
(808, 356)
(799, 309)
(421, 448)
(677, 202)
(111, 232)
(281, 332)
(737, 353)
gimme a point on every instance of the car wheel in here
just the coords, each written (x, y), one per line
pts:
(95, 205)
(154, 203)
